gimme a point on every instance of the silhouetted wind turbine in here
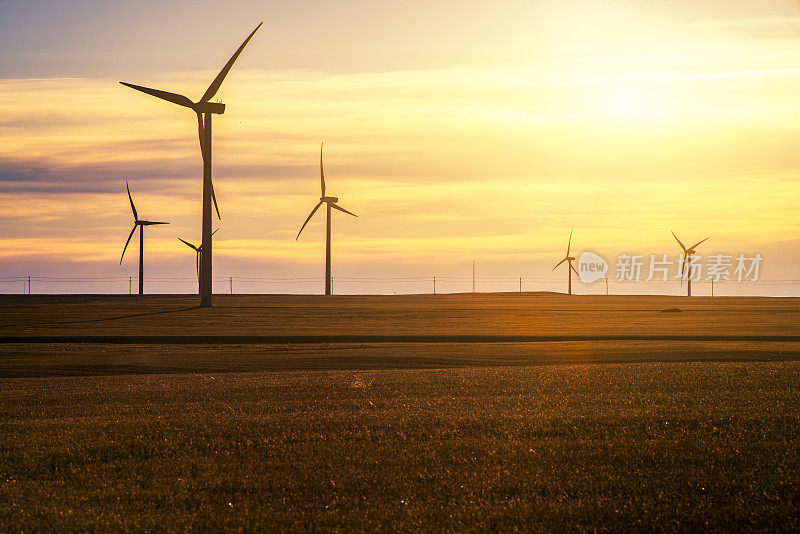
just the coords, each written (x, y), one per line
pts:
(687, 260)
(140, 224)
(199, 251)
(331, 202)
(204, 110)
(569, 259)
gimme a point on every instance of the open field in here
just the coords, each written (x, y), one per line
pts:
(460, 314)
(686, 446)
(588, 434)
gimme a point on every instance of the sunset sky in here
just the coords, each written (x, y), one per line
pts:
(457, 131)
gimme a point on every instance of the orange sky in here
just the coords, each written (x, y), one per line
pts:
(479, 133)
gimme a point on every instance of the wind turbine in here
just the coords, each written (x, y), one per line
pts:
(199, 251)
(687, 259)
(204, 109)
(331, 202)
(140, 224)
(569, 259)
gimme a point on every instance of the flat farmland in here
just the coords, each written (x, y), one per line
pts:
(613, 418)
(459, 315)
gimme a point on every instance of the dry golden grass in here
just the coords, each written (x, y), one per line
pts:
(617, 447)
(498, 313)
(608, 435)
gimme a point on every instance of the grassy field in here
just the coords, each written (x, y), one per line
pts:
(478, 313)
(572, 435)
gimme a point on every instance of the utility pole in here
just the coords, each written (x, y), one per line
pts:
(520, 285)
(473, 276)
(712, 287)
(230, 279)
(606, 286)
(29, 285)
(130, 284)
(434, 285)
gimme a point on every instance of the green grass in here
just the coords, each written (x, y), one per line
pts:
(681, 446)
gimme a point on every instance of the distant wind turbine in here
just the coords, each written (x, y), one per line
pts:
(199, 251)
(687, 262)
(204, 109)
(331, 202)
(569, 259)
(140, 224)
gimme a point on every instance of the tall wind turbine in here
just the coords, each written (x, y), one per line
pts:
(199, 252)
(137, 223)
(687, 260)
(569, 259)
(204, 109)
(331, 202)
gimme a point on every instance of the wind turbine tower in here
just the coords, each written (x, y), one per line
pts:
(204, 109)
(569, 259)
(330, 202)
(140, 224)
(686, 264)
(198, 254)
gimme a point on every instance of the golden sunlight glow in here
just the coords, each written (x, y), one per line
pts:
(630, 105)
(622, 122)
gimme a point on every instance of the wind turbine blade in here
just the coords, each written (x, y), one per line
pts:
(573, 268)
(215, 231)
(126, 244)
(175, 98)
(187, 243)
(569, 243)
(308, 219)
(214, 200)
(678, 240)
(151, 223)
(321, 171)
(334, 206)
(135, 215)
(683, 267)
(214, 87)
(695, 245)
(559, 263)
(200, 134)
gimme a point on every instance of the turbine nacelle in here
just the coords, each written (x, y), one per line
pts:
(329, 199)
(209, 107)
